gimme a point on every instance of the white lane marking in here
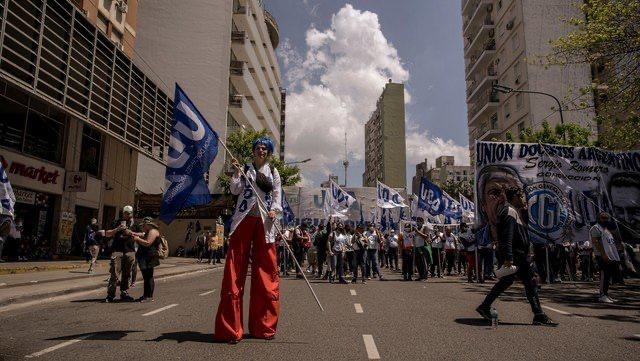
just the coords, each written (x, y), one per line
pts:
(33, 281)
(358, 307)
(208, 292)
(370, 345)
(3, 284)
(58, 346)
(160, 310)
(560, 311)
(353, 292)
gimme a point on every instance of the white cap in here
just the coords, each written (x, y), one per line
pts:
(127, 209)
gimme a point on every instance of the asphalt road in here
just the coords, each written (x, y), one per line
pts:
(394, 320)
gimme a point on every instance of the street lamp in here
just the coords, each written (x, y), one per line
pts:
(506, 90)
(298, 161)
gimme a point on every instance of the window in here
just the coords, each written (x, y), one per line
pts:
(518, 100)
(507, 109)
(44, 137)
(12, 122)
(91, 153)
(494, 121)
(102, 23)
(517, 72)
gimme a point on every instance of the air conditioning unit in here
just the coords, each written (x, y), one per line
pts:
(122, 6)
(510, 25)
(517, 81)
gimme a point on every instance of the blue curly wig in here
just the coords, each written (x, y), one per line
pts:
(266, 141)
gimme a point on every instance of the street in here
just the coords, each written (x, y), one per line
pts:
(391, 320)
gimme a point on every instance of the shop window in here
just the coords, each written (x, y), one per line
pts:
(44, 137)
(91, 153)
(12, 122)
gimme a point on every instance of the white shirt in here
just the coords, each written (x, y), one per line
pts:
(436, 242)
(468, 236)
(393, 241)
(418, 240)
(407, 239)
(340, 242)
(374, 241)
(449, 242)
(605, 238)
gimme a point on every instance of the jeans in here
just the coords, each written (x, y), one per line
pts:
(525, 273)
(606, 273)
(451, 260)
(94, 251)
(120, 267)
(421, 262)
(485, 258)
(349, 260)
(372, 266)
(358, 263)
(392, 257)
(339, 265)
(407, 263)
(149, 283)
(437, 262)
(322, 258)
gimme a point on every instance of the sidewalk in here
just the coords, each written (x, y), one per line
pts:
(29, 281)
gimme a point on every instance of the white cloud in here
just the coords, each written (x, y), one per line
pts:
(334, 88)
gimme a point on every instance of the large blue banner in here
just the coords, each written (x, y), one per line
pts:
(287, 213)
(430, 198)
(193, 146)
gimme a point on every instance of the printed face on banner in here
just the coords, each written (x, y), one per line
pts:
(565, 187)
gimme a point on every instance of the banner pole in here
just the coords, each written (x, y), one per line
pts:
(477, 265)
(546, 251)
(264, 207)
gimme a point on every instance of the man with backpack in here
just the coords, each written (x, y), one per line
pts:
(122, 256)
(92, 241)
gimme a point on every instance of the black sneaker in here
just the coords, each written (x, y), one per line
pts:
(484, 311)
(126, 298)
(544, 320)
(109, 299)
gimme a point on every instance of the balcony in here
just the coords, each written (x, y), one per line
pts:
(484, 33)
(490, 134)
(236, 67)
(489, 78)
(484, 103)
(238, 36)
(482, 10)
(242, 112)
(272, 28)
(485, 57)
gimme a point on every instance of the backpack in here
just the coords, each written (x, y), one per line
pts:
(163, 248)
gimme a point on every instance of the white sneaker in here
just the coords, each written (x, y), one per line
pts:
(604, 299)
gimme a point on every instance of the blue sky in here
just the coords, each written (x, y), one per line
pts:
(329, 64)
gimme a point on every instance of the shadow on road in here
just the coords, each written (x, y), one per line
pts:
(486, 323)
(186, 336)
(99, 335)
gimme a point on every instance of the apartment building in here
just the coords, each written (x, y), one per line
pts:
(75, 112)
(421, 171)
(504, 43)
(385, 143)
(222, 53)
(447, 171)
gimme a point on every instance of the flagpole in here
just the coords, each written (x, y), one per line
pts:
(264, 207)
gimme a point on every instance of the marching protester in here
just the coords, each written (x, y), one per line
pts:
(349, 250)
(422, 256)
(485, 254)
(252, 236)
(338, 241)
(450, 248)
(92, 240)
(359, 244)
(468, 241)
(392, 250)
(122, 256)
(407, 239)
(606, 254)
(437, 242)
(320, 240)
(513, 250)
(300, 239)
(147, 255)
(374, 240)
(585, 257)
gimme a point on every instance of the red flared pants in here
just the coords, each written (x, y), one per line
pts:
(264, 305)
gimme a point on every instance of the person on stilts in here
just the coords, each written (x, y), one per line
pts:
(252, 236)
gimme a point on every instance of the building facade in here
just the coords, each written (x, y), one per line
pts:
(222, 53)
(75, 112)
(505, 42)
(447, 171)
(421, 172)
(385, 144)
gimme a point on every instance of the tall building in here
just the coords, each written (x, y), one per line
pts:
(447, 171)
(116, 18)
(421, 171)
(222, 53)
(505, 42)
(75, 112)
(384, 140)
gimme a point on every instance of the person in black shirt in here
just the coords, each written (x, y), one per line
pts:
(513, 249)
(123, 254)
(147, 255)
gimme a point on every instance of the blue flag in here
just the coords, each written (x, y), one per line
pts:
(193, 146)
(7, 198)
(430, 198)
(287, 212)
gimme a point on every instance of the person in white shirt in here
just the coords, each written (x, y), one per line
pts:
(372, 267)
(359, 243)
(436, 251)
(338, 247)
(392, 250)
(585, 256)
(606, 254)
(468, 242)
(450, 246)
(422, 234)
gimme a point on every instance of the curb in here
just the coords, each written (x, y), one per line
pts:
(102, 285)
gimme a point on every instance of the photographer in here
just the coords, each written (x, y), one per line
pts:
(122, 256)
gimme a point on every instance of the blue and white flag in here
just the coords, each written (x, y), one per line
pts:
(388, 197)
(193, 146)
(466, 204)
(452, 209)
(430, 198)
(338, 198)
(7, 198)
(287, 212)
(331, 210)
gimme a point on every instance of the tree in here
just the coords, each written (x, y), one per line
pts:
(575, 135)
(607, 38)
(240, 144)
(453, 188)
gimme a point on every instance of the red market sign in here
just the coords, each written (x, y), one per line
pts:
(32, 174)
(42, 174)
